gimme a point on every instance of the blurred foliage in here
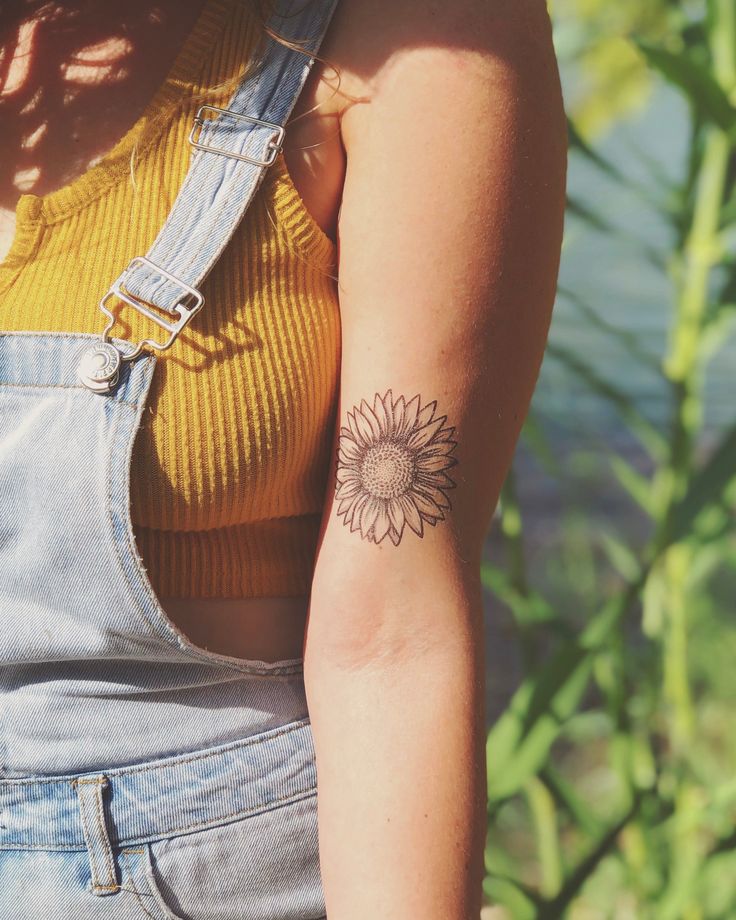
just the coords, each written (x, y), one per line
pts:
(597, 34)
(611, 792)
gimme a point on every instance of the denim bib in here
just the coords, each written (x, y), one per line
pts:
(140, 774)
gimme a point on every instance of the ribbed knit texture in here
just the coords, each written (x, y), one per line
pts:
(230, 463)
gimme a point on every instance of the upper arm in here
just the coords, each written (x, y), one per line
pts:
(449, 239)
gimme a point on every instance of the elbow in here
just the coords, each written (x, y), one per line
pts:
(364, 626)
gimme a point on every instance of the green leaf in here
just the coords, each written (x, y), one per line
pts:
(719, 329)
(566, 796)
(583, 212)
(530, 608)
(578, 143)
(707, 487)
(519, 743)
(638, 487)
(621, 556)
(628, 339)
(695, 81)
(557, 907)
(546, 831)
(517, 897)
(637, 423)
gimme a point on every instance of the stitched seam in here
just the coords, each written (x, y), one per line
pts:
(249, 191)
(104, 836)
(297, 797)
(153, 888)
(61, 386)
(29, 333)
(144, 768)
(90, 847)
(100, 783)
(132, 883)
(114, 438)
(162, 835)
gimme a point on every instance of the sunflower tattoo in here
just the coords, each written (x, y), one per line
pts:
(392, 463)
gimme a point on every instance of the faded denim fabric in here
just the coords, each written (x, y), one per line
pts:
(141, 776)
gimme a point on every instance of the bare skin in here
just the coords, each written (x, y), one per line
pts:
(49, 150)
(450, 224)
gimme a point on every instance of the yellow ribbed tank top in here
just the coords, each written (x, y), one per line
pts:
(230, 462)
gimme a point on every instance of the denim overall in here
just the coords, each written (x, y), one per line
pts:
(141, 776)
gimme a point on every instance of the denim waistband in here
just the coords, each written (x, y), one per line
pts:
(165, 797)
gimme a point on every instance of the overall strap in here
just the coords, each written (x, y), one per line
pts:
(230, 154)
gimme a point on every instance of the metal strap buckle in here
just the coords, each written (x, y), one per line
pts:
(174, 328)
(273, 148)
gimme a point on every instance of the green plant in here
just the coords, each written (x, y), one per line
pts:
(626, 697)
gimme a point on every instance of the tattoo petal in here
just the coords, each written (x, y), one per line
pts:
(425, 504)
(368, 516)
(364, 428)
(426, 415)
(412, 515)
(380, 528)
(396, 516)
(392, 462)
(349, 450)
(423, 436)
(435, 463)
(383, 417)
(372, 420)
(410, 417)
(348, 490)
(344, 505)
(399, 408)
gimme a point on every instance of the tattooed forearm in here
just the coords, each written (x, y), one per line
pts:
(392, 464)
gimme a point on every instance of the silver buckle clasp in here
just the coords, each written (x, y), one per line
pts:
(274, 145)
(174, 328)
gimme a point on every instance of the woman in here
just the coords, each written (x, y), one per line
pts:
(318, 459)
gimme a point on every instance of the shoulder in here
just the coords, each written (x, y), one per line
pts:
(460, 45)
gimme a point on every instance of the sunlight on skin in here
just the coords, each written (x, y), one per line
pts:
(98, 63)
(37, 90)
(32, 102)
(94, 65)
(20, 66)
(30, 140)
(25, 179)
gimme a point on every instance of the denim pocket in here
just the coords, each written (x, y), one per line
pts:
(264, 866)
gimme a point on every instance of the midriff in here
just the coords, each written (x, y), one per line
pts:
(260, 628)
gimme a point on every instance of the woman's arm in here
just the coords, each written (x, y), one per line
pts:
(449, 233)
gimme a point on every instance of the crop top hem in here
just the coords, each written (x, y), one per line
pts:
(273, 557)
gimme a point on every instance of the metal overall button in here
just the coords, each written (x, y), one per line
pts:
(99, 367)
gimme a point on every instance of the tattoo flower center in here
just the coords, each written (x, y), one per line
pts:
(392, 467)
(387, 470)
